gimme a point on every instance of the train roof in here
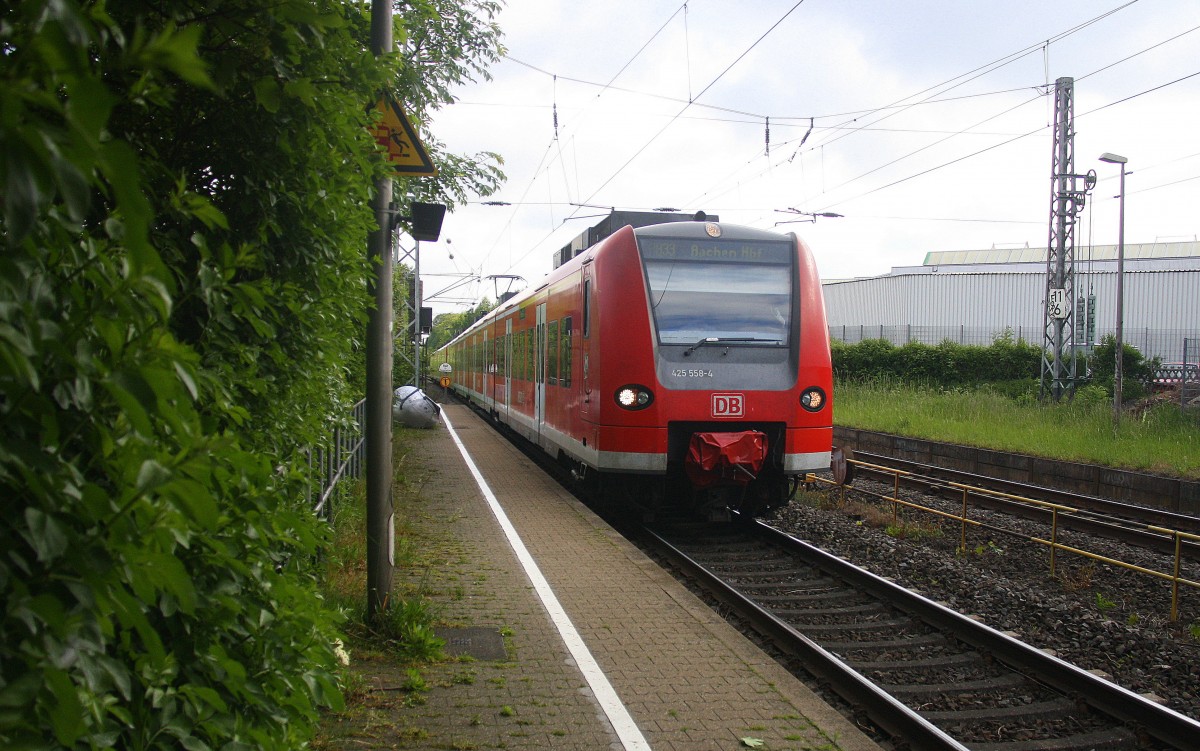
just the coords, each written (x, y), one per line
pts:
(676, 225)
(701, 230)
(617, 220)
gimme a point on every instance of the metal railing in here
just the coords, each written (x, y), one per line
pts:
(1189, 383)
(1053, 509)
(341, 456)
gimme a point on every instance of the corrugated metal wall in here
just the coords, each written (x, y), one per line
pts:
(1161, 307)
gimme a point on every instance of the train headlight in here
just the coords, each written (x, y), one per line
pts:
(634, 397)
(813, 399)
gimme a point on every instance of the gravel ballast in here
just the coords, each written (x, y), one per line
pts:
(1095, 615)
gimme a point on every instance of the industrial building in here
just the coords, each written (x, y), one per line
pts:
(973, 296)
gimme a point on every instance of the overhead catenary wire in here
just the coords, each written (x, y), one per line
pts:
(899, 105)
(852, 127)
(508, 224)
(819, 134)
(1011, 140)
(672, 120)
(1017, 137)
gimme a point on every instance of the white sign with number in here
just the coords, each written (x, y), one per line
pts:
(1056, 303)
(445, 367)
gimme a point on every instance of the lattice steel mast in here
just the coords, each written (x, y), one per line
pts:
(1066, 202)
(409, 351)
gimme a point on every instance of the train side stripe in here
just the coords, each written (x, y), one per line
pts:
(627, 730)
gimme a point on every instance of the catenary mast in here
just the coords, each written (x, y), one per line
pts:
(1066, 202)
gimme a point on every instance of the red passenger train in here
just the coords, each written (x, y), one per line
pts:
(686, 360)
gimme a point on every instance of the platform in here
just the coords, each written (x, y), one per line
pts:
(680, 677)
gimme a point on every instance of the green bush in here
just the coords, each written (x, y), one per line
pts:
(943, 365)
(183, 273)
(182, 289)
(1137, 371)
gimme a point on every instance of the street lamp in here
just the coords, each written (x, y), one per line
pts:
(1119, 368)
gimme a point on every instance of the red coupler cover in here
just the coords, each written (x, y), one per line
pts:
(725, 457)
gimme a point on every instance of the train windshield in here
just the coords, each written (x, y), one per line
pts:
(725, 289)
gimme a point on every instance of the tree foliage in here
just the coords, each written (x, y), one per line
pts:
(182, 288)
(449, 325)
(441, 44)
(1136, 371)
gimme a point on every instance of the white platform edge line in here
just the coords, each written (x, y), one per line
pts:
(627, 730)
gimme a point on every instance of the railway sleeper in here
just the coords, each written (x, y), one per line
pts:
(846, 612)
(997, 683)
(1052, 709)
(922, 663)
(867, 626)
(755, 565)
(916, 640)
(796, 587)
(801, 576)
(1101, 740)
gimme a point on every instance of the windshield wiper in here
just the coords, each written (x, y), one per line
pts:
(723, 340)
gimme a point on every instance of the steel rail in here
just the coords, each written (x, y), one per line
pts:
(1146, 514)
(882, 708)
(992, 492)
(1156, 721)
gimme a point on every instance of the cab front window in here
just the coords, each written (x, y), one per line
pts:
(711, 290)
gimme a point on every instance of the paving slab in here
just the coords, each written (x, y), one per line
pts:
(689, 680)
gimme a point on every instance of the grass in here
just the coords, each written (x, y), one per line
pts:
(405, 628)
(399, 642)
(1153, 437)
(404, 631)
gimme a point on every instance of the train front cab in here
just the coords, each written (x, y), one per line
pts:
(710, 330)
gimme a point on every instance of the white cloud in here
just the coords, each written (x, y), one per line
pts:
(641, 152)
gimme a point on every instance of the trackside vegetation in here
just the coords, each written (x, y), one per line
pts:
(183, 281)
(946, 364)
(988, 397)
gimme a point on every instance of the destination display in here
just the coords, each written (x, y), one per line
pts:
(736, 251)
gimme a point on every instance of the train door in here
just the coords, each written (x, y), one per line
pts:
(489, 372)
(585, 343)
(508, 358)
(539, 372)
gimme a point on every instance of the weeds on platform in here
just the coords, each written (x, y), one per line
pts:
(405, 627)
(400, 640)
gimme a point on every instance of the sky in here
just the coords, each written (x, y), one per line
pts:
(926, 124)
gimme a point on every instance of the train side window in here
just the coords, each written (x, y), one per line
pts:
(526, 373)
(514, 355)
(531, 354)
(587, 307)
(552, 353)
(564, 376)
(519, 354)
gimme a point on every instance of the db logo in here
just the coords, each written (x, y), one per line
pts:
(728, 405)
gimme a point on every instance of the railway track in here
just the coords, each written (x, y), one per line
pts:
(928, 676)
(1145, 527)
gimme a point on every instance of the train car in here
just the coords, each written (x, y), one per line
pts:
(685, 361)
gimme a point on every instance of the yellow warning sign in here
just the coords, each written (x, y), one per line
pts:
(395, 133)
